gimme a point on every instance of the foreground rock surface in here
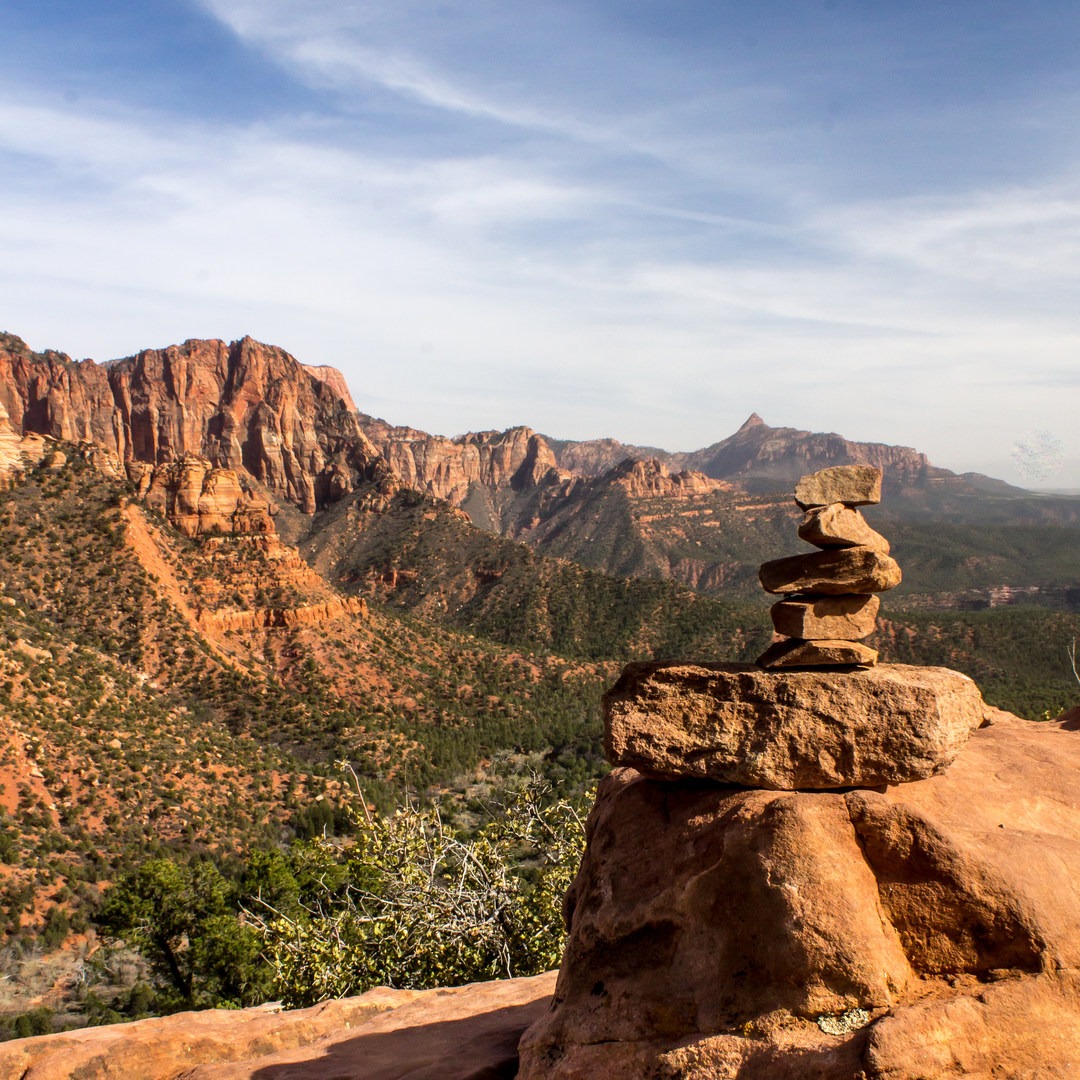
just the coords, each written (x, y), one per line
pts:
(926, 931)
(789, 730)
(467, 1033)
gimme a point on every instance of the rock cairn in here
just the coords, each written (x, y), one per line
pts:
(830, 598)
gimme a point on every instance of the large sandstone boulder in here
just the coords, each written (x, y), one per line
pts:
(789, 730)
(919, 932)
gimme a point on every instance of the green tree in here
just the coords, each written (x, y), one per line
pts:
(183, 920)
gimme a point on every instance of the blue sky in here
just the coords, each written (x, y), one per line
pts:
(636, 219)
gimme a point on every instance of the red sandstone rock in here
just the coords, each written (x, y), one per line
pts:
(199, 499)
(725, 934)
(832, 572)
(837, 525)
(849, 618)
(852, 485)
(789, 730)
(244, 406)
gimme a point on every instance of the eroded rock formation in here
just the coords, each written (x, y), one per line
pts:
(199, 499)
(924, 930)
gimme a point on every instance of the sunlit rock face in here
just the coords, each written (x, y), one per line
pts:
(245, 407)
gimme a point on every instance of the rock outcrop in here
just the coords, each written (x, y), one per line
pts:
(199, 499)
(650, 478)
(449, 468)
(926, 930)
(466, 1033)
(218, 622)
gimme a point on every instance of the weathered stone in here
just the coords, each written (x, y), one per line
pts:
(831, 572)
(847, 618)
(465, 1033)
(837, 525)
(852, 485)
(930, 930)
(789, 730)
(797, 653)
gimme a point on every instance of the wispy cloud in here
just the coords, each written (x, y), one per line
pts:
(481, 238)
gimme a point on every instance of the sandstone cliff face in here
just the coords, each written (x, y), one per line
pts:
(243, 407)
(448, 468)
(651, 479)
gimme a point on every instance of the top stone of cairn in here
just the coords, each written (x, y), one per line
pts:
(852, 485)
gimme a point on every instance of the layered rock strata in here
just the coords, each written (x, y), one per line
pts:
(829, 602)
(245, 407)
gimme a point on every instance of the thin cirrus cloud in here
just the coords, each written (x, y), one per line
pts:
(636, 220)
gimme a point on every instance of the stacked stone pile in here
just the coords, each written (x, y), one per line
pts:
(840, 870)
(858, 873)
(830, 602)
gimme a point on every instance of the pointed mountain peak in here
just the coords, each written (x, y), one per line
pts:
(752, 421)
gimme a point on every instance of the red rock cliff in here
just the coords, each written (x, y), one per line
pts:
(246, 406)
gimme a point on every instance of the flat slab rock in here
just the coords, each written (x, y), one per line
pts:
(852, 485)
(823, 652)
(464, 1033)
(789, 730)
(831, 572)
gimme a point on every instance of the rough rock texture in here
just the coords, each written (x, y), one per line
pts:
(217, 622)
(448, 468)
(837, 525)
(852, 485)
(849, 618)
(724, 934)
(789, 730)
(469, 1033)
(199, 499)
(823, 652)
(831, 572)
(244, 406)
